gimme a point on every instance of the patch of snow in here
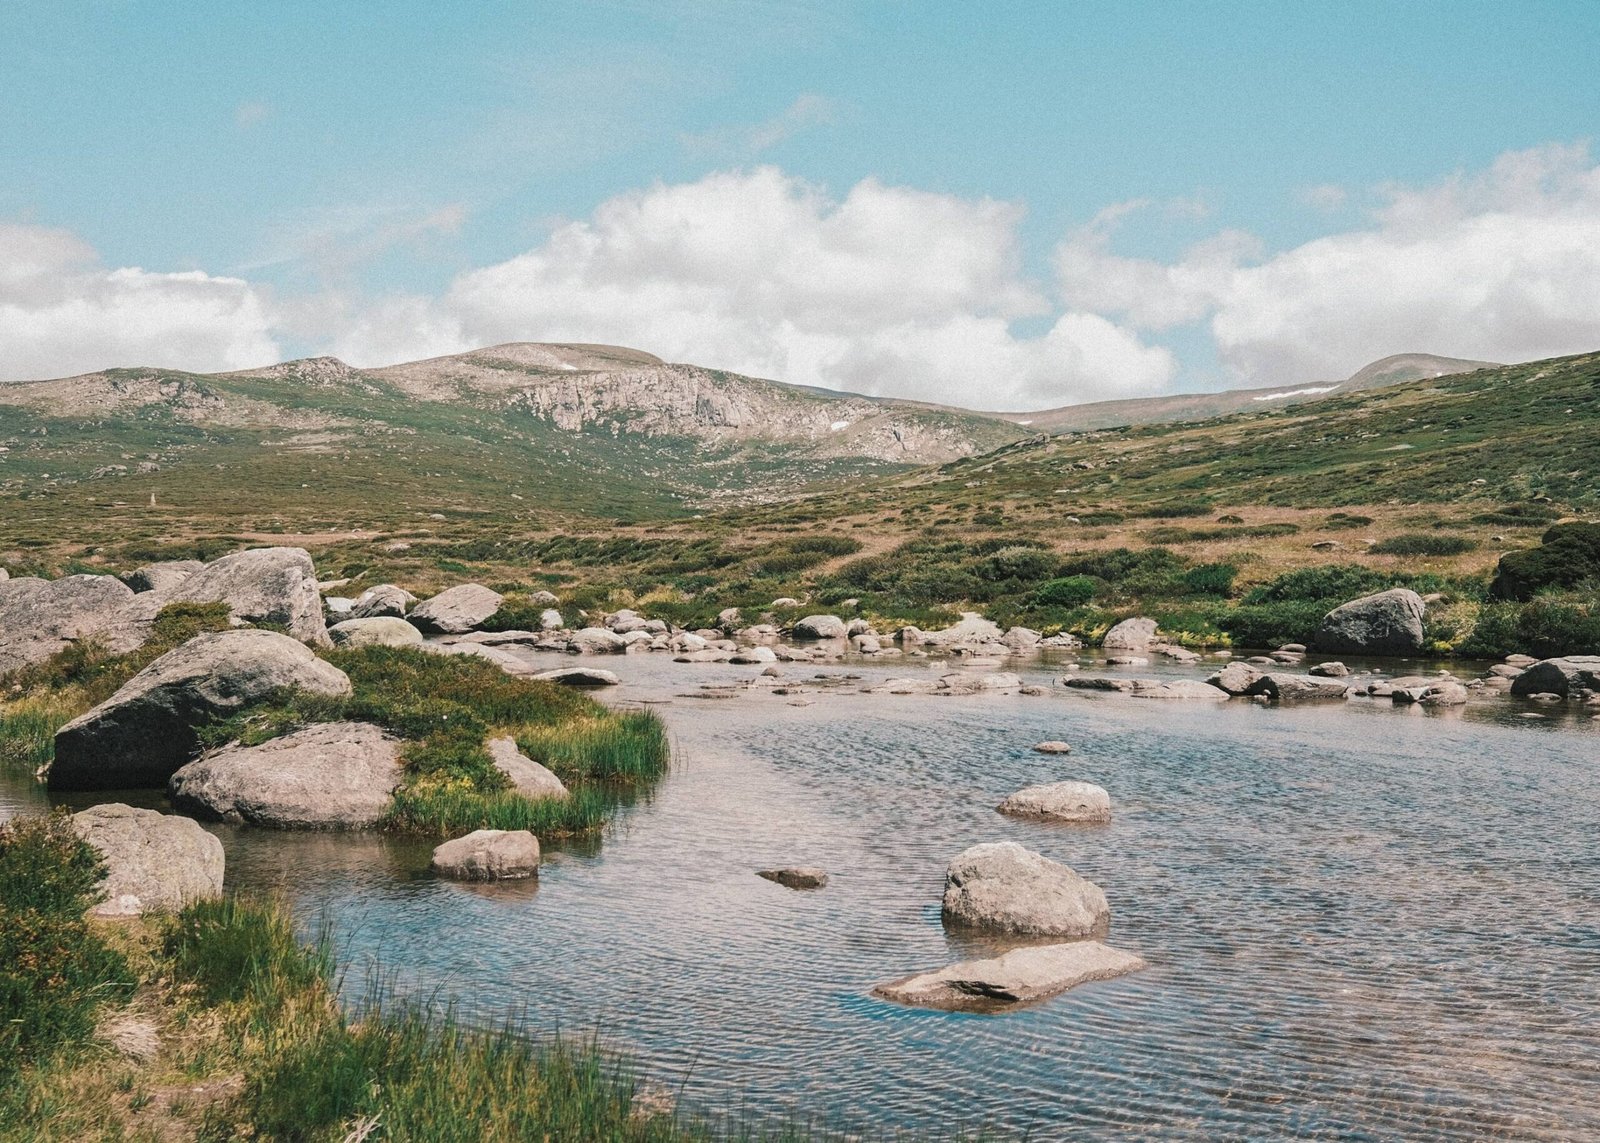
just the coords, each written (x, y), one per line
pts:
(1311, 392)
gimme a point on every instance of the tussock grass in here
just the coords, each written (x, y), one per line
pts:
(454, 807)
(28, 729)
(628, 748)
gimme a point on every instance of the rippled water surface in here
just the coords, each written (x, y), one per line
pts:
(1360, 920)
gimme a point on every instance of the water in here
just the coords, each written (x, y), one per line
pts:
(1361, 920)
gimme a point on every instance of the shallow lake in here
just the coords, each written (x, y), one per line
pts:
(1361, 920)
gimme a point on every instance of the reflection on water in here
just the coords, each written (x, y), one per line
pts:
(1360, 920)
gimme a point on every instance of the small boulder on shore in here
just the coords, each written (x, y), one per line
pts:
(155, 862)
(796, 876)
(1561, 676)
(1060, 802)
(1021, 976)
(1002, 887)
(528, 777)
(1130, 635)
(385, 600)
(489, 855)
(378, 631)
(456, 610)
(821, 627)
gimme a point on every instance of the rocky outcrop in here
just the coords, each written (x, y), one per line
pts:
(820, 627)
(333, 776)
(377, 631)
(154, 862)
(528, 777)
(148, 728)
(276, 586)
(384, 600)
(796, 876)
(456, 610)
(40, 617)
(1566, 676)
(162, 577)
(1388, 623)
(971, 629)
(1003, 888)
(1061, 802)
(1130, 635)
(489, 855)
(1021, 976)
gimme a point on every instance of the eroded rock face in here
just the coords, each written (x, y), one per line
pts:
(1562, 676)
(1061, 802)
(1388, 623)
(528, 777)
(1130, 635)
(489, 855)
(821, 627)
(334, 776)
(39, 617)
(1003, 888)
(155, 862)
(456, 610)
(164, 576)
(378, 631)
(384, 600)
(1021, 976)
(263, 585)
(144, 732)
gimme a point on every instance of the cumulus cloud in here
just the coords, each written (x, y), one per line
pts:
(887, 291)
(1502, 265)
(63, 312)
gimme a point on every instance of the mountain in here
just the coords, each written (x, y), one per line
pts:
(1395, 370)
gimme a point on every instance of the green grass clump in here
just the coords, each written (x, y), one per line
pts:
(56, 973)
(452, 807)
(28, 730)
(628, 749)
(1422, 544)
(240, 951)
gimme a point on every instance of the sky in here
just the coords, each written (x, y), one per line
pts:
(997, 205)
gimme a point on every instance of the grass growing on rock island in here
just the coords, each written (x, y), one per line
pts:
(447, 707)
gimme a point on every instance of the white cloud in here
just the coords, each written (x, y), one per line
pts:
(887, 291)
(62, 312)
(1502, 265)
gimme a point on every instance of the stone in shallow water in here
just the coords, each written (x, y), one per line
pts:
(1052, 747)
(1022, 976)
(1002, 887)
(796, 876)
(580, 677)
(489, 855)
(1061, 802)
(154, 862)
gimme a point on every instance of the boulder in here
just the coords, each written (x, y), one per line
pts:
(378, 631)
(384, 600)
(1388, 623)
(796, 876)
(820, 627)
(1330, 671)
(544, 599)
(971, 628)
(1051, 747)
(262, 585)
(155, 862)
(39, 617)
(1443, 693)
(728, 618)
(989, 682)
(456, 610)
(1284, 687)
(148, 728)
(338, 605)
(1021, 976)
(1177, 689)
(1385, 688)
(1004, 888)
(1130, 635)
(489, 855)
(550, 620)
(335, 775)
(579, 677)
(164, 576)
(1021, 639)
(751, 655)
(1236, 678)
(1563, 676)
(1105, 683)
(528, 777)
(596, 641)
(1060, 802)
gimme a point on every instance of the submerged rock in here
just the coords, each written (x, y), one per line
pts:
(1002, 887)
(154, 862)
(489, 855)
(1177, 689)
(1061, 802)
(796, 876)
(1052, 747)
(1021, 976)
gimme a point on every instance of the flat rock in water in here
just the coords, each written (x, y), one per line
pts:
(489, 855)
(1330, 671)
(378, 631)
(1052, 748)
(1179, 689)
(528, 777)
(1130, 635)
(796, 876)
(1003, 888)
(1021, 976)
(150, 726)
(155, 862)
(1103, 683)
(456, 610)
(1283, 687)
(1060, 802)
(579, 677)
(262, 585)
(333, 776)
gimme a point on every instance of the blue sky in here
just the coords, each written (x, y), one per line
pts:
(386, 179)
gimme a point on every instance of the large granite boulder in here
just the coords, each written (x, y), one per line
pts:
(1285, 687)
(262, 585)
(155, 862)
(971, 629)
(1021, 976)
(820, 627)
(528, 777)
(162, 577)
(456, 610)
(377, 631)
(1388, 623)
(1235, 678)
(384, 600)
(335, 775)
(1002, 887)
(596, 641)
(39, 617)
(1060, 802)
(149, 728)
(1563, 676)
(1130, 635)
(489, 855)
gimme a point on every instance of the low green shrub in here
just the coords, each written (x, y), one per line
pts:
(1211, 579)
(1338, 520)
(1568, 555)
(1068, 591)
(1422, 544)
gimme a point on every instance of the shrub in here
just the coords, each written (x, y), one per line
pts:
(1338, 520)
(1422, 544)
(1324, 581)
(1518, 516)
(1543, 628)
(1568, 555)
(1067, 592)
(1211, 579)
(1272, 624)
